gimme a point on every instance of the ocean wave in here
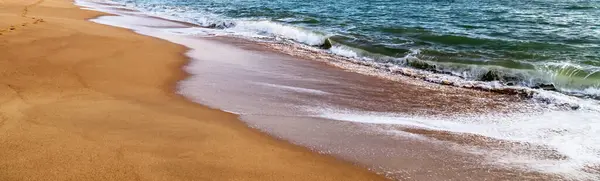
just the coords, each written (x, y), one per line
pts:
(344, 51)
(566, 78)
(547, 95)
(299, 20)
(562, 77)
(566, 127)
(243, 27)
(569, 79)
(279, 30)
(579, 7)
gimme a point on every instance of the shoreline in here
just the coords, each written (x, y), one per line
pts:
(69, 115)
(236, 64)
(308, 103)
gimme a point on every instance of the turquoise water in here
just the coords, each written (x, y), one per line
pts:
(526, 43)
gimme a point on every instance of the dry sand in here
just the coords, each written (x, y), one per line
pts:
(83, 101)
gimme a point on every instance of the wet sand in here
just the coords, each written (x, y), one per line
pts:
(290, 92)
(284, 96)
(84, 101)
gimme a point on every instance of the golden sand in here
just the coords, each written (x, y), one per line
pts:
(83, 101)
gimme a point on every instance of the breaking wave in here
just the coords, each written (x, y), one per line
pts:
(564, 77)
(561, 128)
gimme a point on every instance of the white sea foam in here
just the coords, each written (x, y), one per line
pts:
(587, 91)
(571, 133)
(544, 73)
(241, 27)
(278, 30)
(344, 51)
(295, 89)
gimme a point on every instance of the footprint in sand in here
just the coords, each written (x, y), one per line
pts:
(24, 14)
(38, 21)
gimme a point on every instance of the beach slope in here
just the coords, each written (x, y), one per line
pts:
(83, 101)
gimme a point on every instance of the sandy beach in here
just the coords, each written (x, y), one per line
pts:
(84, 101)
(151, 90)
